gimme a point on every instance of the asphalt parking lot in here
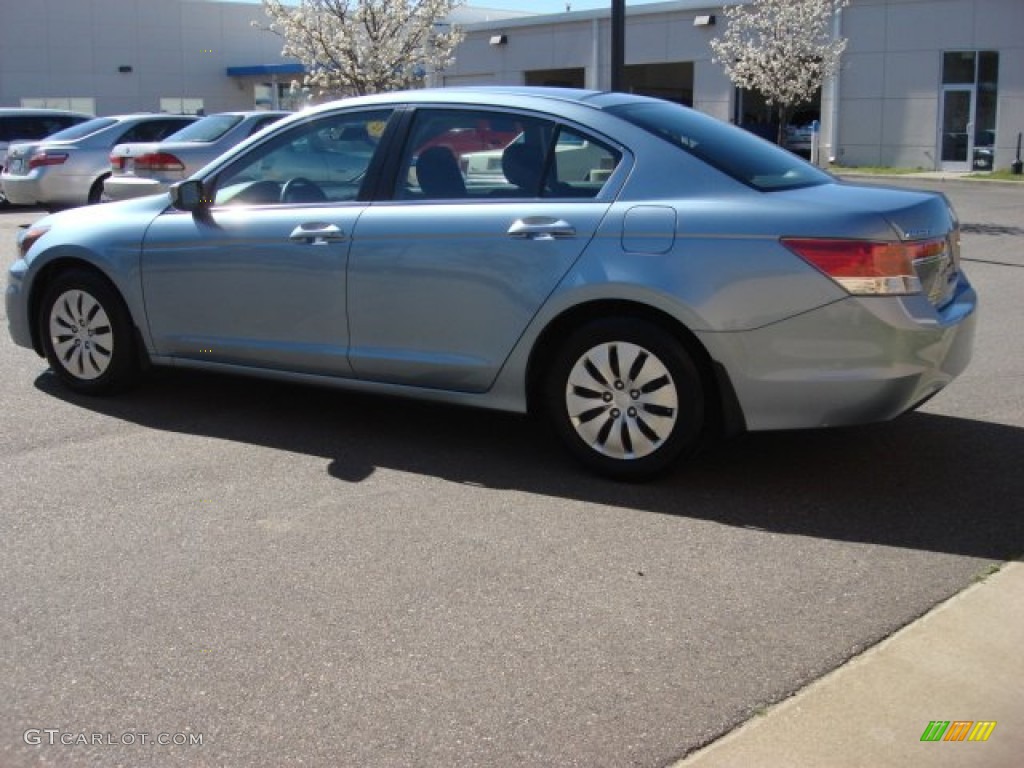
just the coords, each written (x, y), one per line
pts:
(302, 577)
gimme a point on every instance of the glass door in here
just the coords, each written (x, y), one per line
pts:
(957, 128)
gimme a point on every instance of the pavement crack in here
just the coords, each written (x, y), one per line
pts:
(991, 229)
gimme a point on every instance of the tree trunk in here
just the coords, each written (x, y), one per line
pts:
(783, 114)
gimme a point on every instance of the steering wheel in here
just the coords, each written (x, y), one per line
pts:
(301, 190)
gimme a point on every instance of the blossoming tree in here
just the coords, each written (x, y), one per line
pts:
(783, 49)
(355, 47)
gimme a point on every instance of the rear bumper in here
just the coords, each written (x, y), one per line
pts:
(42, 188)
(20, 190)
(129, 187)
(856, 361)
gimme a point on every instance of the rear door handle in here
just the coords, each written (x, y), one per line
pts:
(541, 228)
(317, 233)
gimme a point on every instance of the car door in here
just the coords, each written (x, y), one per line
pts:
(258, 278)
(444, 276)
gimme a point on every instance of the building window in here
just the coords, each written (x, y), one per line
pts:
(970, 86)
(73, 103)
(280, 96)
(181, 106)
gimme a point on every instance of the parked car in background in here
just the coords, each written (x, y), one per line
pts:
(576, 159)
(704, 282)
(68, 168)
(799, 133)
(984, 150)
(149, 168)
(24, 124)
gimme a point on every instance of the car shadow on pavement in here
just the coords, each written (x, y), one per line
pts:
(926, 482)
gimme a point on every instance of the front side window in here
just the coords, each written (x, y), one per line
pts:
(323, 160)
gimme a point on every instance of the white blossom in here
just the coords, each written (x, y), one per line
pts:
(354, 47)
(784, 49)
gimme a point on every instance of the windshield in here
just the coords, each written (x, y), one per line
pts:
(87, 128)
(208, 129)
(731, 150)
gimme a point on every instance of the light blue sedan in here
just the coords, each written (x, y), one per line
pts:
(690, 280)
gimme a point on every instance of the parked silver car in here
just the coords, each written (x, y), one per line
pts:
(68, 168)
(137, 170)
(26, 124)
(699, 280)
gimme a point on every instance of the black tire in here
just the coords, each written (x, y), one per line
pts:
(96, 190)
(87, 334)
(626, 398)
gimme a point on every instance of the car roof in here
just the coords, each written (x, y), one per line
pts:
(142, 115)
(505, 95)
(41, 111)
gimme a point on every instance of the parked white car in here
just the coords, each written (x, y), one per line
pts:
(68, 168)
(150, 168)
(25, 124)
(576, 159)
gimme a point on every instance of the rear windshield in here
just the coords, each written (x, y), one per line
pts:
(82, 129)
(210, 128)
(731, 150)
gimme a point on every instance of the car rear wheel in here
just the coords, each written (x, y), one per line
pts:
(96, 190)
(626, 398)
(87, 334)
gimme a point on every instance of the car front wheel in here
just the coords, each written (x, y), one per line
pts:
(87, 333)
(626, 398)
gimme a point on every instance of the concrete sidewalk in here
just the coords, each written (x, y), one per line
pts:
(962, 661)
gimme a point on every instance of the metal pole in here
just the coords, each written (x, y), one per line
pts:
(618, 44)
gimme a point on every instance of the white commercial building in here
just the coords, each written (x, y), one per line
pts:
(935, 84)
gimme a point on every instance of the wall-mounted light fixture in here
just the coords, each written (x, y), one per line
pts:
(704, 21)
(499, 40)
(124, 68)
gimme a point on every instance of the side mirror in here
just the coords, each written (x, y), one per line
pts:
(189, 196)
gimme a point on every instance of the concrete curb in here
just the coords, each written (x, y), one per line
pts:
(962, 661)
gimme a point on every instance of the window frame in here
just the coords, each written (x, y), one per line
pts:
(388, 188)
(277, 141)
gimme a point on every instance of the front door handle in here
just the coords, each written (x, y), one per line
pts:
(541, 228)
(317, 233)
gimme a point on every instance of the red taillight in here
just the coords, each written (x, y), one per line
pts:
(116, 162)
(868, 267)
(158, 161)
(39, 159)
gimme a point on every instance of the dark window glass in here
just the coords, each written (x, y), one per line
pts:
(207, 129)
(958, 67)
(82, 130)
(988, 70)
(729, 149)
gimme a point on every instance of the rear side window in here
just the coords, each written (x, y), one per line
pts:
(731, 150)
(150, 130)
(477, 154)
(81, 130)
(262, 123)
(208, 129)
